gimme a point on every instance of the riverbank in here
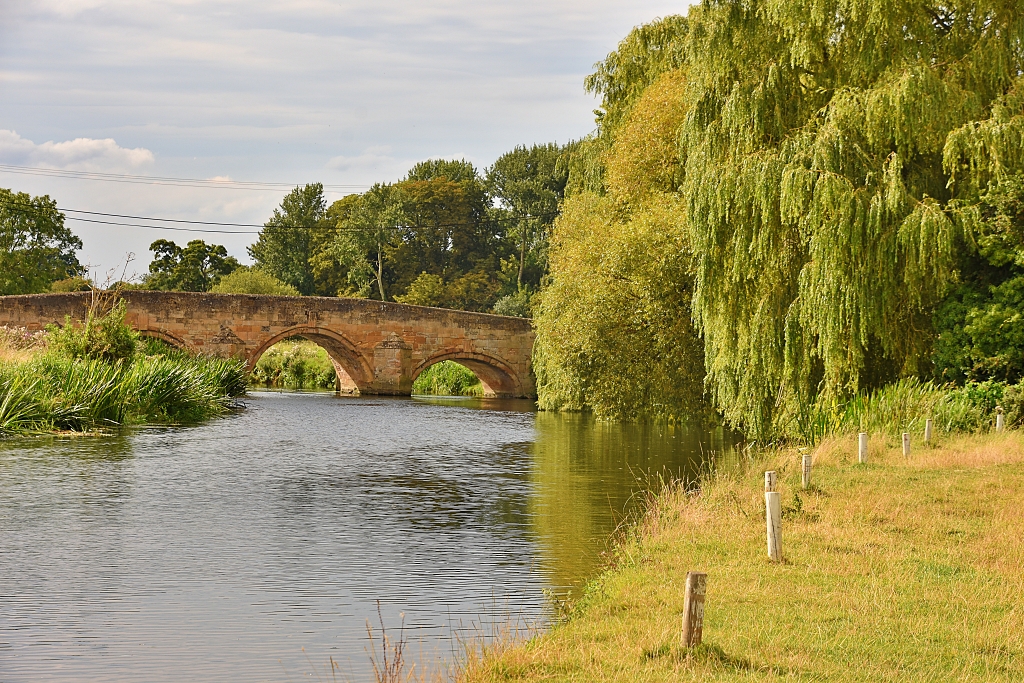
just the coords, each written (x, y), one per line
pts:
(46, 386)
(899, 569)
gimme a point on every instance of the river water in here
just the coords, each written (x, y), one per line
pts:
(255, 547)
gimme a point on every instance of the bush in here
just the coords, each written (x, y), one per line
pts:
(295, 364)
(253, 281)
(516, 305)
(71, 284)
(448, 378)
(103, 336)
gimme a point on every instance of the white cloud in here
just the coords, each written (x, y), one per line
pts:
(80, 154)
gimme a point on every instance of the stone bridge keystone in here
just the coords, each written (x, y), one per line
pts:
(376, 347)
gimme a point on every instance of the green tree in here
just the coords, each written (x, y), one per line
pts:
(365, 239)
(828, 157)
(36, 249)
(252, 281)
(528, 184)
(195, 268)
(287, 242)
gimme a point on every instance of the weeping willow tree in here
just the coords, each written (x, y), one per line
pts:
(829, 168)
(832, 154)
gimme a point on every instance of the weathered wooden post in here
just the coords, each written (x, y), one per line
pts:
(1000, 419)
(805, 478)
(906, 444)
(862, 447)
(773, 517)
(928, 430)
(693, 608)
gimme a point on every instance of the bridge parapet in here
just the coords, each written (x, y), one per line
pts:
(381, 346)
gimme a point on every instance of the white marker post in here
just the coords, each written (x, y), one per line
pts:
(773, 517)
(805, 478)
(693, 608)
(928, 431)
(1000, 419)
(906, 444)
(862, 447)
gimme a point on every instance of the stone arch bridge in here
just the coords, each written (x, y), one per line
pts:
(377, 347)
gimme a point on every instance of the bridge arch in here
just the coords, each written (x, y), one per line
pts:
(167, 338)
(498, 379)
(355, 374)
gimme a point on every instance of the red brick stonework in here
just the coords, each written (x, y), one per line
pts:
(378, 348)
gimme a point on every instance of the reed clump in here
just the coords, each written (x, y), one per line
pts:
(901, 569)
(100, 374)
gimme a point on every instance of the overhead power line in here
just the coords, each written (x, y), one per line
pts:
(154, 222)
(207, 183)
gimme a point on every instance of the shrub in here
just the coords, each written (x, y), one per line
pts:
(253, 281)
(448, 378)
(103, 336)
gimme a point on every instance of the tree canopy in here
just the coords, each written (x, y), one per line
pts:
(36, 249)
(841, 168)
(287, 243)
(197, 267)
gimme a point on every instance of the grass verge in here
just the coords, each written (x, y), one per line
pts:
(894, 570)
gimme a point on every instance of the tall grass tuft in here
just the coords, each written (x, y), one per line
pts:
(905, 405)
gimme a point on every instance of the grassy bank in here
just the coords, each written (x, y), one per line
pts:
(46, 386)
(448, 378)
(894, 570)
(295, 364)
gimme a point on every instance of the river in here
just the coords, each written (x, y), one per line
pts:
(257, 546)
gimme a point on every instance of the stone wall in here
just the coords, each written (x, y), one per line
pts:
(380, 346)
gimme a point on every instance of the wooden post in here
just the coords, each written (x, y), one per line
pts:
(1000, 419)
(769, 481)
(906, 444)
(806, 475)
(862, 447)
(693, 608)
(773, 516)
(928, 430)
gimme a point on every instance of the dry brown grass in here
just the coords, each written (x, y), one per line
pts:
(895, 570)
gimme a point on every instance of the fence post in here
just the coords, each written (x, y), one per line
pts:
(806, 473)
(693, 608)
(1000, 419)
(862, 447)
(773, 517)
(906, 444)
(928, 430)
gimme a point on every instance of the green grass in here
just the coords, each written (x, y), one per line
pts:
(45, 390)
(295, 364)
(898, 570)
(448, 378)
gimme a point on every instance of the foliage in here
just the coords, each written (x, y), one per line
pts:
(369, 233)
(903, 406)
(58, 387)
(826, 155)
(287, 242)
(104, 335)
(980, 326)
(613, 328)
(447, 378)
(36, 249)
(245, 280)
(528, 183)
(518, 304)
(195, 268)
(76, 283)
(295, 364)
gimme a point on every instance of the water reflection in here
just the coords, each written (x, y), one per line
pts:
(218, 551)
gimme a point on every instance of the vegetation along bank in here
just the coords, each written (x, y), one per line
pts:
(101, 375)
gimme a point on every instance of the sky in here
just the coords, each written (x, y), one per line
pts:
(343, 93)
